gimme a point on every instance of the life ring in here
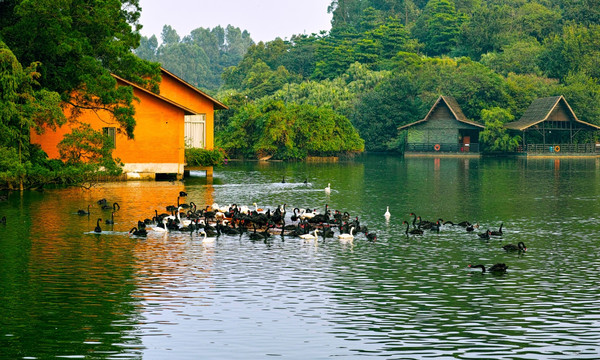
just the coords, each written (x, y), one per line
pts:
(436, 147)
(556, 148)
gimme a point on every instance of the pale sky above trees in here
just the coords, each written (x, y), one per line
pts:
(263, 19)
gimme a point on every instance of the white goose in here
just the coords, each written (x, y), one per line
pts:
(387, 213)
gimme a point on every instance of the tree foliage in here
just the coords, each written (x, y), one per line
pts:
(199, 57)
(495, 137)
(78, 45)
(274, 129)
(73, 47)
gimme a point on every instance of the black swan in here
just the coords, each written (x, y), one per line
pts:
(485, 235)
(512, 247)
(114, 207)
(413, 231)
(98, 229)
(3, 220)
(371, 236)
(498, 268)
(141, 232)
(112, 219)
(497, 233)
(83, 212)
(182, 194)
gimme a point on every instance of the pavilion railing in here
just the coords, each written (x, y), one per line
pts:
(589, 148)
(442, 147)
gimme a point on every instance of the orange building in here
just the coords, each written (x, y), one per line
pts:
(181, 116)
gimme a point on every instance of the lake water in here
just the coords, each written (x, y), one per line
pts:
(69, 293)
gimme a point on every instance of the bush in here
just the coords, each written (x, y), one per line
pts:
(203, 157)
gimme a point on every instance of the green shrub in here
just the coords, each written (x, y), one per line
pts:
(203, 157)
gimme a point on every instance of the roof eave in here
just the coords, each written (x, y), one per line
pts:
(187, 110)
(217, 103)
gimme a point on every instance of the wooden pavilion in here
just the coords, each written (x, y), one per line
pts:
(445, 129)
(549, 125)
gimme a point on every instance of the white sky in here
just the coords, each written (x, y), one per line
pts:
(263, 19)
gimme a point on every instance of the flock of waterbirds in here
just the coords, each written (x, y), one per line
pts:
(309, 224)
(419, 226)
(214, 220)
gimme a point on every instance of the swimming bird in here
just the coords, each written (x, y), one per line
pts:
(497, 233)
(182, 194)
(98, 229)
(328, 189)
(485, 235)
(141, 232)
(3, 220)
(371, 236)
(115, 207)
(112, 219)
(207, 239)
(310, 236)
(83, 212)
(412, 231)
(347, 236)
(162, 227)
(283, 180)
(499, 268)
(512, 247)
(387, 214)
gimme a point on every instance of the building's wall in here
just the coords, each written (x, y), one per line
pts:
(560, 113)
(158, 144)
(172, 88)
(440, 128)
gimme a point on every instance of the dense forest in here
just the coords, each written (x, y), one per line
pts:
(384, 62)
(381, 65)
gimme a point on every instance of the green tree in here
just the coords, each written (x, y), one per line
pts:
(78, 45)
(438, 27)
(23, 107)
(495, 137)
(293, 131)
(576, 49)
(521, 57)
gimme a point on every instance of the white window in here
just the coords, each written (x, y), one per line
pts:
(111, 133)
(195, 136)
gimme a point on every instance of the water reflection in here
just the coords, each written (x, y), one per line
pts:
(68, 293)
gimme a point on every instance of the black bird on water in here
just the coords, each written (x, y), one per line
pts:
(499, 268)
(98, 229)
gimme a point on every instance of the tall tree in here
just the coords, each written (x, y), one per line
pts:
(438, 27)
(23, 107)
(78, 46)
